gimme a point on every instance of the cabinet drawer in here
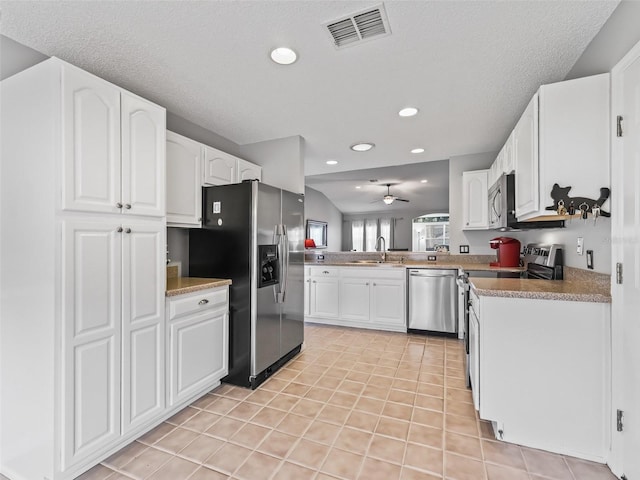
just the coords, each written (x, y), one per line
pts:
(324, 271)
(197, 301)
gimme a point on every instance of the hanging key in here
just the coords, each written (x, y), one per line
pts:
(596, 212)
(561, 208)
(572, 208)
(584, 209)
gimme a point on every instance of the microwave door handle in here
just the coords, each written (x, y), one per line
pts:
(493, 204)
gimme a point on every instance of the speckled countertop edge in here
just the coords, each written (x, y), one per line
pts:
(565, 290)
(181, 285)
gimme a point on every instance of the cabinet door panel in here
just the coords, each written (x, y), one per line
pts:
(198, 353)
(91, 273)
(143, 157)
(387, 302)
(248, 171)
(475, 203)
(526, 160)
(219, 167)
(142, 320)
(184, 192)
(324, 297)
(354, 299)
(91, 146)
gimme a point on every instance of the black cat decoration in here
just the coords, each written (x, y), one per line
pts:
(561, 194)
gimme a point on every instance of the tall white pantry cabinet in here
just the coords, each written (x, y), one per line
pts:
(82, 278)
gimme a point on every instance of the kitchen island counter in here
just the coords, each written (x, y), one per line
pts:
(485, 267)
(567, 290)
(181, 285)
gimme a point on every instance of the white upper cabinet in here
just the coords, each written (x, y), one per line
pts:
(525, 140)
(143, 156)
(113, 148)
(219, 168)
(91, 146)
(475, 208)
(184, 191)
(248, 171)
(508, 158)
(567, 145)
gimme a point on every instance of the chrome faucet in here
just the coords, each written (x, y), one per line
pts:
(384, 247)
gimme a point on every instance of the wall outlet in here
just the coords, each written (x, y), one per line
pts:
(590, 259)
(319, 257)
(580, 246)
(464, 248)
(431, 258)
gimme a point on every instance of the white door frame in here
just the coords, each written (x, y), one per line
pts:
(616, 458)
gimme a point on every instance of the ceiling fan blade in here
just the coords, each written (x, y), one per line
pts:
(402, 200)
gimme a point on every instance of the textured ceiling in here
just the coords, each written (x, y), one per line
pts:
(405, 181)
(469, 66)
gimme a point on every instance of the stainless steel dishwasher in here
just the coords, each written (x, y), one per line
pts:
(433, 300)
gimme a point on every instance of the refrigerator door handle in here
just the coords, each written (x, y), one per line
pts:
(279, 237)
(284, 273)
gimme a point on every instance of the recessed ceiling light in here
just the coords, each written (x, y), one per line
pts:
(417, 150)
(423, 181)
(332, 162)
(358, 186)
(408, 112)
(283, 55)
(362, 147)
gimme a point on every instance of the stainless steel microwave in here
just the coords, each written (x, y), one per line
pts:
(502, 208)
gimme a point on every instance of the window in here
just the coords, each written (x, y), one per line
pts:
(357, 235)
(365, 232)
(370, 234)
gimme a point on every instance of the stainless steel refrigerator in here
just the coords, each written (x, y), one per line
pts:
(253, 234)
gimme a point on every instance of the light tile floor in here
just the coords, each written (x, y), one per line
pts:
(354, 404)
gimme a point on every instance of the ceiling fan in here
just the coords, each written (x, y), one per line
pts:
(389, 199)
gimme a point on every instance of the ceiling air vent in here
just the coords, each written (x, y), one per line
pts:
(369, 24)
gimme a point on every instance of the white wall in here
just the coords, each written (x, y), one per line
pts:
(318, 207)
(616, 37)
(15, 57)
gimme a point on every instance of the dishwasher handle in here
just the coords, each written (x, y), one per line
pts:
(418, 273)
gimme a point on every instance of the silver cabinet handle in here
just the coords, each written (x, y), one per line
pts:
(326, 272)
(118, 205)
(128, 206)
(204, 301)
(119, 230)
(308, 281)
(367, 284)
(374, 284)
(314, 281)
(127, 230)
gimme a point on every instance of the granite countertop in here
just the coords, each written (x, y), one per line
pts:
(181, 285)
(567, 290)
(419, 264)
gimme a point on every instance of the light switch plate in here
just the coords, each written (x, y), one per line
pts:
(580, 246)
(464, 248)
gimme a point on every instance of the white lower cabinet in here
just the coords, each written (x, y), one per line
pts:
(198, 339)
(364, 297)
(544, 373)
(323, 294)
